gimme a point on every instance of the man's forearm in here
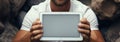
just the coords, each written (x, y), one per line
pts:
(22, 36)
(96, 36)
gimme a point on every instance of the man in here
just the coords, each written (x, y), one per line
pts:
(31, 30)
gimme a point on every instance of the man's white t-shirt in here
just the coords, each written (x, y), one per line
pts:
(76, 6)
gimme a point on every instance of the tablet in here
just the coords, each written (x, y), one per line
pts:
(60, 26)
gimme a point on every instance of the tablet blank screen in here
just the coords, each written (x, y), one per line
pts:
(60, 25)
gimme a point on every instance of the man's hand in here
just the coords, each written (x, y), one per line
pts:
(84, 28)
(36, 31)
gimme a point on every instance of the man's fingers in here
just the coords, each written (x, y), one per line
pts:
(86, 38)
(36, 27)
(36, 32)
(37, 37)
(84, 26)
(84, 21)
(84, 31)
(36, 22)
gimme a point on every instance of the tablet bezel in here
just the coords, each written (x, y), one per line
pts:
(60, 38)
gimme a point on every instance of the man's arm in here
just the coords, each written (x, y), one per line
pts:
(96, 36)
(22, 36)
(89, 35)
(33, 35)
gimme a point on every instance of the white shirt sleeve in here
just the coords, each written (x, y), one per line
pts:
(92, 19)
(30, 17)
(86, 13)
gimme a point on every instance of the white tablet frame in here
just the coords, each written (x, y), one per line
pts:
(60, 38)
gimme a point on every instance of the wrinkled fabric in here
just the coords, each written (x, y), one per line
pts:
(9, 32)
(104, 9)
(9, 11)
(108, 13)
